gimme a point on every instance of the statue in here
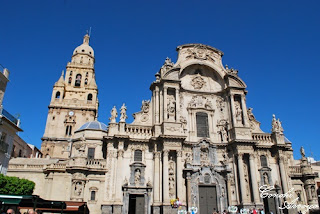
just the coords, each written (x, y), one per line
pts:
(302, 152)
(145, 106)
(276, 125)
(171, 107)
(137, 176)
(265, 179)
(78, 189)
(183, 122)
(238, 113)
(224, 134)
(114, 115)
(123, 113)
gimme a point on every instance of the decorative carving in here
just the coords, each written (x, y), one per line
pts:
(200, 102)
(80, 149)
(231, 70)
(123, 113)
(179, 153)
(200, 52)
(188, 158)
(276, 125)
(238, 112)
(120, 152)
(167, 65)
(220, 103)
(114, 115)
(223, 127)
(145, 106)
(198, 82)
(204, 159)
(171, 178)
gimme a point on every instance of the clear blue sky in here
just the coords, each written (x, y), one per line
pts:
(274, 45)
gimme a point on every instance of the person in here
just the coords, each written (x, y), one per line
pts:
(261, 212)
(10, 211)
(32, 212)
(254, 211)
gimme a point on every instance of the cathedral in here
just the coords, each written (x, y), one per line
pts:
(193, 147)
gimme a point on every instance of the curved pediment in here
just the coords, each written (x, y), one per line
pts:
(235, 82)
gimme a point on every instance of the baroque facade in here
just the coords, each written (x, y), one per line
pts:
(195, 140)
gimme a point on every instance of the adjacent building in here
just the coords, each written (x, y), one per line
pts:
(195, 145)
(9, 126)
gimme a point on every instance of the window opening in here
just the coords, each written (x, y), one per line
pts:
(202, 124)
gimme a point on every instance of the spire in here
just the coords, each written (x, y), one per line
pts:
(60, 82)
(86, 39)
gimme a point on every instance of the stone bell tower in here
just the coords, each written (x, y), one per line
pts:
(74, 102)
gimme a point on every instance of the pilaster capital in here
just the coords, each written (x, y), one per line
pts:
(240, 155)
(252, 156)
(156, 155)
(179, 153)
(120, 152)
(166, 153)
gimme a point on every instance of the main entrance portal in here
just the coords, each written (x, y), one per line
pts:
(207, 199)
(136, 204)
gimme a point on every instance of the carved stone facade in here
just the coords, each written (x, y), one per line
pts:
(195, 142)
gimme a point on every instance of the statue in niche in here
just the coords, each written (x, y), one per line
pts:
(114, 115)
(265, 179)
(137, 176)
(313, 192)
(78, 188)
(80, 148)
(204, 159)
(171, 178)
(238, 112)
(224, 134)
(222, 192)
(171, 107)
(183, 122)
(123, 113)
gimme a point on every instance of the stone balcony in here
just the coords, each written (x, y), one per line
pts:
(263, 138)
(295, 171)
(141, 132)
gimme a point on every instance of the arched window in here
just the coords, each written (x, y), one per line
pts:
(263, 160)
(137, 155)
(86, 81)
(89, 97)
(58, 95)
(78, 80)
(70, 80)
(87, 74)
(70, 73)
(202, 124)
(93, 196)
(20, 153)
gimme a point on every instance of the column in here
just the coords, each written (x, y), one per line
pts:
(161, 106)
(244, 111)
(189, 190)
(233, 110)
(157, 105)
(166, 198)
(241, 178)
(254, 179)
(119, 176)
(156, 179)
(177, 105)
(283, 175)
(165, 112)
(180, 192)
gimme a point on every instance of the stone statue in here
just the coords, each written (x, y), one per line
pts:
(238, 113)
(302, 152)
(114, 115)
(123, 113)
(78, 189)
(183, 122)
(224, 134)
(313, 192)
(145, 106)
(265, 179)
(276, 125)
(137, 176)
(171, 107)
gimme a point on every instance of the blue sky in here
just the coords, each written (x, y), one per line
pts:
(274, 45)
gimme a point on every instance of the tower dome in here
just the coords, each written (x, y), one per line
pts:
(93, 125)
(84, 48)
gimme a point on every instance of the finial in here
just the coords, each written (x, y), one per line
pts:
(86, 39)
(62, 73)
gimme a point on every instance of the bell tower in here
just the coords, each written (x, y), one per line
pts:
(74, 102)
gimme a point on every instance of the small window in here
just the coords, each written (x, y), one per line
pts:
(93, 196)
(263, 160)
(70, 73)
(137, 155)
(86, 81)
(70, 80)
(91, 153)
(202, 124)
(82, 50)
(87, 74)
(58, 95)
(78, 80)
(69, 130)
(90, 97)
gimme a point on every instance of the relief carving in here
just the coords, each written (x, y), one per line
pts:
(171, 107)
(198, 82)
(183, 122)
(200, 102)
(168, 64)
(200, 52)
(171, 178)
